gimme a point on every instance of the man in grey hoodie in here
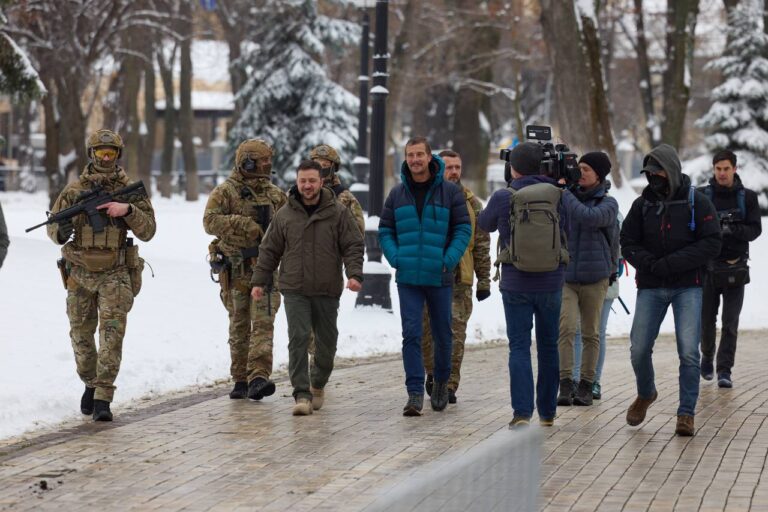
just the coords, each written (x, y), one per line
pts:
(669, 234)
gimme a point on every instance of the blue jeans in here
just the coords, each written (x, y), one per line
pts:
(520, 309)
(601, 357)
(651, 307)
(439, 300)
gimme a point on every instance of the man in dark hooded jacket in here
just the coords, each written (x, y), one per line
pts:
(739, 215)
(669, 234)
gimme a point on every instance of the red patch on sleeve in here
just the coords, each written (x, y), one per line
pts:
(709, 217)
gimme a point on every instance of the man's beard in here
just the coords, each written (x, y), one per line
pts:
(312, 197)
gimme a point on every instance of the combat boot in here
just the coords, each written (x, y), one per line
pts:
(566, 392)
(260, 387)
(583, 395)
(86, 402)
(451, 396)
(101, 411)
(239, 391)
(439, 397)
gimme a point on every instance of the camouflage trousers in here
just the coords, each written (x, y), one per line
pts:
(460, 311)
(251, 328)
(103, 299)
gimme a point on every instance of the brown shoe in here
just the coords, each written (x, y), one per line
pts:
(636, 411)
(684, 426)
(303, 407)
(318, 397)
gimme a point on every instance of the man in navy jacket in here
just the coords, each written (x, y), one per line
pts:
(424, 230)
(527, 295)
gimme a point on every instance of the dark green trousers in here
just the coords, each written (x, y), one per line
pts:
(305, 315)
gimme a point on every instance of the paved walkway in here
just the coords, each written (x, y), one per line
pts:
(209, 452)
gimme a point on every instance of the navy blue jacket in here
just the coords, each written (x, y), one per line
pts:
(425, 250)
(496, 216)
(591, 215)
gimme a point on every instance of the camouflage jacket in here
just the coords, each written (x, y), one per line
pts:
(477, 258)
(348, 199)
(310, 250)
(140, 220)
(232, 211)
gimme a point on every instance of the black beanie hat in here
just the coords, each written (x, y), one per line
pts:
(526, 158)
(598, 161)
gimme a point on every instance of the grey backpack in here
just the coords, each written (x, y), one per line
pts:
(536, 241)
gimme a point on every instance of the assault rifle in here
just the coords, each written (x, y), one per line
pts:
(263, 217)
(89, 201)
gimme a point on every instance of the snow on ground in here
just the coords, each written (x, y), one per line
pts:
(177, 331)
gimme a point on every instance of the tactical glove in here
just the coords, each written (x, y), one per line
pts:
(65, 230)
(482, 294)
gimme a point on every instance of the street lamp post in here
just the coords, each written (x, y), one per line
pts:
(362, 164)
(377, 275)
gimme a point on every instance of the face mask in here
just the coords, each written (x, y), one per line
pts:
(659, 185)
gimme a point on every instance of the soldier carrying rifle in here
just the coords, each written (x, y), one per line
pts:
(101, 267)
(238, 213)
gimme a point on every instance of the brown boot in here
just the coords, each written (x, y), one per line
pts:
(318, 398)
(303, 407)
(684, 426)
(636, 411)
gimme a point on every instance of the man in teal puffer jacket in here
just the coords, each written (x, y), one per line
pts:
(424, 230)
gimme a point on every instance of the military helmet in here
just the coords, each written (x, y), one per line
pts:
(104, 138)
(255, 149)
(326, 152)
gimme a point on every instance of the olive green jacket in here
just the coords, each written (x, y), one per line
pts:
(311, 250)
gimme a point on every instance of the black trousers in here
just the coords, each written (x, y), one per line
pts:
(733, 298)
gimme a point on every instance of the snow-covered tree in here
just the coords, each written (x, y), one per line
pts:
(17, 76)
(288, 97)
(738, 118)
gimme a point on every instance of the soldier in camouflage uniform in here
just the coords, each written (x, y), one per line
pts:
(329, 160)
(238, 214)
(477, 260)
(102, 270)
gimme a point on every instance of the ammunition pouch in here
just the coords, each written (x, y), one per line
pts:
(135, 265)
(112, 237)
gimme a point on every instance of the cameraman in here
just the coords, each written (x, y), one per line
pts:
(592, 214)
(739, 216)
(528, 294)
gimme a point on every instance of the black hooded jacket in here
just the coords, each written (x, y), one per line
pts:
(656, 238)
(744, 230)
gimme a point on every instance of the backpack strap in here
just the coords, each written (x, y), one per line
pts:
(691, 200)
(662, 204)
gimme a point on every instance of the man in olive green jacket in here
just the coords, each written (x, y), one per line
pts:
(310, 238)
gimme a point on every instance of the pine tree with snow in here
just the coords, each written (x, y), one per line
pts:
(289, 98)
(738, 118)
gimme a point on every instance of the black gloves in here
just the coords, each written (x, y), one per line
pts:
(65, 230)
(482, 294)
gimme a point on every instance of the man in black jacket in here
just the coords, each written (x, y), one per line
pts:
(669, 234)
(739, 216)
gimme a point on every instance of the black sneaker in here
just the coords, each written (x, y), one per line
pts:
(583, 394)
(429, 384)
(707, 370)
(260, 387)
(724, 380)
(101, 411)
(439, 397)
(414, 405)
(86, 402)
(519, 422)
(451, 396)
(239, 391)
(566, 392)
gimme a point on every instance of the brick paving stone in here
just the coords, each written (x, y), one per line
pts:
(206, 452)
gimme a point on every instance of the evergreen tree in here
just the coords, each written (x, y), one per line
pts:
(17, 76)
(288, 96)
(738, 118)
